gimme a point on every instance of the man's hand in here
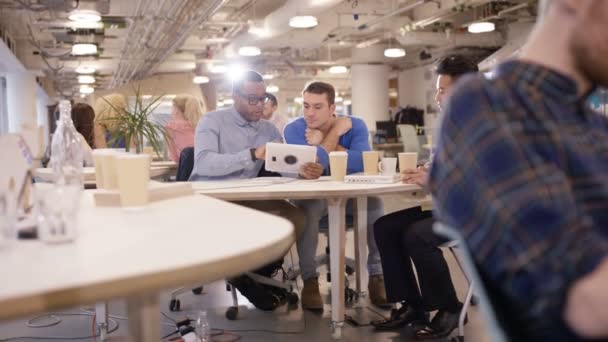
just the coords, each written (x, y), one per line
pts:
(311, 171)
(418, 176)
(342, 125)
(314, 137)
(260, 152)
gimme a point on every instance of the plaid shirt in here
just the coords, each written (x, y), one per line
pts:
(522, 170)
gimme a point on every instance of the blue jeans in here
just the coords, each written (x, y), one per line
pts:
(315, 210)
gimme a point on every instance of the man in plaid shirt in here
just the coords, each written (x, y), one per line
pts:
(522, 170)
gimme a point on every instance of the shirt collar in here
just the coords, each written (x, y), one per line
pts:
(551, 83)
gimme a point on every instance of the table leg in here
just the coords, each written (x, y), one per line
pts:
(361, 246)
(337, 242)
(143, 312)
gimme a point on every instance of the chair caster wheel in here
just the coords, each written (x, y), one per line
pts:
(350, 295)
(232, 313)
(197, 290)
(174, 305)
(349, 270)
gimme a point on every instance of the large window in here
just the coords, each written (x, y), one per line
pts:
(3, 107)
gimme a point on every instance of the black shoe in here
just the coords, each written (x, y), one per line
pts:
(261, 297)
(441, 326)
(400, 318)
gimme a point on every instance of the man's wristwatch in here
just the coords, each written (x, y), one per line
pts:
(253, 157)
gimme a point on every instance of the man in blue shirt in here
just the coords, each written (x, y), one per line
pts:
(320, 127)
(521, 169)
(231, 144)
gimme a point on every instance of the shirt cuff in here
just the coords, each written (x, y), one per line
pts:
(244, 158)
(323, 157)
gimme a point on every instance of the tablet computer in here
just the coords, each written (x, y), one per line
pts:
(288, 158)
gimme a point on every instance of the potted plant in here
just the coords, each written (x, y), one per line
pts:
(133, 125)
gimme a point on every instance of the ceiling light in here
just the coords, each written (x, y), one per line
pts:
(303, 21)
(257, 30)
(170, 96)
(84, 49)
(272, 88)
(228, 102)
(482, 27)
(347, 102)
(218, 69)
(394, 52)
(86, 79)
(299, 100)
(338, 99)
(82, 96)
(200, 79)
(250, 51)
(83, 15)
(393, 94)
(84, 69)
(235, 72)
(85, 89)
(220, 103)
(268, 76)
(338, 69)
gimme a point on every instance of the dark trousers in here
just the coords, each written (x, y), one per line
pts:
(407, 236)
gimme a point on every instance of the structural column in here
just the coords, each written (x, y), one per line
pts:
(369, 81)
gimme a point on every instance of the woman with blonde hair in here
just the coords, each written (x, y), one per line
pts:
(187, 110)
(106, 107)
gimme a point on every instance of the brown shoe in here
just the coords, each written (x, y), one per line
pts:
(311, 296)
(377, 293)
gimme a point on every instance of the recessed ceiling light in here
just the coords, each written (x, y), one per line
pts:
(268, 76)
(200, 79)
(338, 69)
(220, 103)
(299, 100)
(170, 96)
(482, 27)
(84, 49)
(338, 99)
(272, 88)
(250, 51)
(394, 52)
(303, 21)
(85, 69)
(228, 102)
(85, 89)
(86, 79)
(347, 102)
(83, 15)
(235, 72)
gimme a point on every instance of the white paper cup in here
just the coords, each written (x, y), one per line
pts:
(337, 165)
(133, 177)
(408, 161)
(370, 162)
(388, 166)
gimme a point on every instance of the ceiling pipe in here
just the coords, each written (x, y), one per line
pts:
(491, 39)
(391, 14)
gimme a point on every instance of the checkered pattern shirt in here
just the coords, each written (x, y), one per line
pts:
(522, 170)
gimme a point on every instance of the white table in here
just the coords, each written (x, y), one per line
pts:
(336, 194)
(157, 170)
(136, 253)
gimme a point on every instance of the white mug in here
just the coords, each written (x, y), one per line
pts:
(388, 166)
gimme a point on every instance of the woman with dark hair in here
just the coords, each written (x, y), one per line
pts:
(83, 117)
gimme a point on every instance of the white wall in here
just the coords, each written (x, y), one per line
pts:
(416, 87)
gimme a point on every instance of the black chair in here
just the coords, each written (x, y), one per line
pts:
(185, 165)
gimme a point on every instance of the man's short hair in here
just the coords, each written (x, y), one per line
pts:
(248, 76)
(320, 88)
(272, 99)
(456, 66)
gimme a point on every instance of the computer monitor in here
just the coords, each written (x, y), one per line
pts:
(387, 127)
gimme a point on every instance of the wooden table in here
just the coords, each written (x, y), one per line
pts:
(137, 253)
(336, 194)
(160, 169)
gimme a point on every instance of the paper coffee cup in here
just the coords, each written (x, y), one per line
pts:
(370, 162)
(133, 178)
(408, 161)
(337, 165)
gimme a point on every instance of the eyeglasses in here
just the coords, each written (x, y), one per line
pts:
(254, 100)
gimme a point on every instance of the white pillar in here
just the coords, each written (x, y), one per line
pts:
(21, 100)
(370, 86)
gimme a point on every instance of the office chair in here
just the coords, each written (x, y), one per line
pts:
(184, 169)
(409, 138)
(467, 265)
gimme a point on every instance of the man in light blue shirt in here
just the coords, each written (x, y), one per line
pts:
(231, 144)
(320, 127)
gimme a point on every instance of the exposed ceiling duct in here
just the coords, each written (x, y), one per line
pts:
(492, 39)
(158, 30)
